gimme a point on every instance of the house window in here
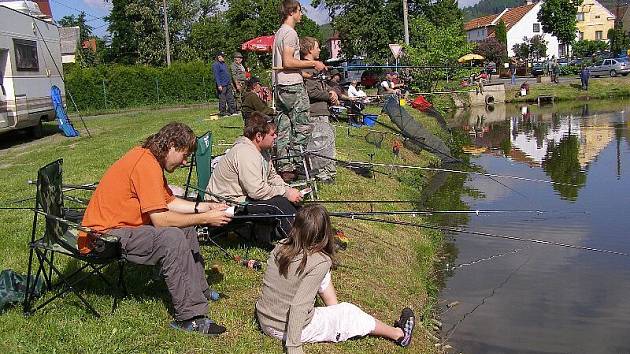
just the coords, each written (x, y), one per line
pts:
(536, 28)
(25, 55)
(580, 36)
(580, 16)
(599, 35)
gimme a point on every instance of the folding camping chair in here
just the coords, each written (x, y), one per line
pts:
(60, 237)
(202, 164)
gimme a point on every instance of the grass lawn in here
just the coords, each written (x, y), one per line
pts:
(385, 267)
(599, 88)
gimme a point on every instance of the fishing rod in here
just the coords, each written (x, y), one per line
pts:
(66, 188)
(490, 235)
(365, 163)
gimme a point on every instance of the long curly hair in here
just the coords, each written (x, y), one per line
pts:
(311, 233)
(174, 134)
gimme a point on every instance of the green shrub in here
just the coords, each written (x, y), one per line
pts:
(121, 86)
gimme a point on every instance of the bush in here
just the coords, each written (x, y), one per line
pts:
(569, 70)
(121, 86)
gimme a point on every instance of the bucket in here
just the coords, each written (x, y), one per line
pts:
(370, 119)
(403, 102)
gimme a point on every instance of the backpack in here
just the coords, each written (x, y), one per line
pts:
(13, 288)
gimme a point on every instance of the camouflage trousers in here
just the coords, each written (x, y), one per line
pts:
(292, 121)
(322, 143)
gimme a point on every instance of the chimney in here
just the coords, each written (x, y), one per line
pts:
(44, 7)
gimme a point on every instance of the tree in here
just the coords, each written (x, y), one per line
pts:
(587, 48)
(433, 45)
(559, 17)
(500, 33)
(366, 27)
(521, 50)
(492, 49)
(137, 28)
(619, 40)
(538, 47)
(85, 30)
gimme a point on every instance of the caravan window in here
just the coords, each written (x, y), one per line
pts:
(25, 55)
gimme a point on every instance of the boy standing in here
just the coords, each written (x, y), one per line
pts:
(290, 94)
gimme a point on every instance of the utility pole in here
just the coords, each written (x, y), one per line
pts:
(406, 21)
(167, 35)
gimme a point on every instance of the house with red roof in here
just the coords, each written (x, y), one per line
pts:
(521, 22)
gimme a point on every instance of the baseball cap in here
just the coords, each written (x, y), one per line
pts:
(238, 55)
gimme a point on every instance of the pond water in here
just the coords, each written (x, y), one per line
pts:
(505, 296)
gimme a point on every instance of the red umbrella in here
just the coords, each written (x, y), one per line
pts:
(259, 44)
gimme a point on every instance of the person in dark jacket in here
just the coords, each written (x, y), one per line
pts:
(585, 74)
(252, 102)
(227, 105)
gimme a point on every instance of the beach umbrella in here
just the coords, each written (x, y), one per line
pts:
(470, 57)
(261, 44)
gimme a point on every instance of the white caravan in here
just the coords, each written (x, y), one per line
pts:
(30, 64)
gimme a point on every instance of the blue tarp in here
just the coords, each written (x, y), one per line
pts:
(65, 125)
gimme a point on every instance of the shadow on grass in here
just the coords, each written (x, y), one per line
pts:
(21, 136)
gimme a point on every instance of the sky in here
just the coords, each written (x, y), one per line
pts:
(97, 9)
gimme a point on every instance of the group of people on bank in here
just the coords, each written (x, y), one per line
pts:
(134, 202)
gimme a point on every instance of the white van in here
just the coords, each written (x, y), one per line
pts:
(30, 64)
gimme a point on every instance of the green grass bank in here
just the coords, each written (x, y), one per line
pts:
(385, 267)
(599, 88)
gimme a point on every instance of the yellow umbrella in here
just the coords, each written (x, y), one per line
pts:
(470, 57)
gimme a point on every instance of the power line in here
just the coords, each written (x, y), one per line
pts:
(79, 11)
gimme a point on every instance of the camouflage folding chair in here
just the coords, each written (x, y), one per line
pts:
(62, 226)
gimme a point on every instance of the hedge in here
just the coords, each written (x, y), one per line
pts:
(119, 86)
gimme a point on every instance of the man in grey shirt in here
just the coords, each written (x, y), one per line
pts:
(290, 95)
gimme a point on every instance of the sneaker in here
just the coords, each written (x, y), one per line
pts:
(202, 325)
(406, 322)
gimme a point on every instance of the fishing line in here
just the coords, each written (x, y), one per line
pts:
(461, 265)
(486, 234)
(365, 163)
(450, 332)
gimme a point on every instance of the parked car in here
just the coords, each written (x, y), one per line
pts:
(538, 69)
(563, 61)
(612, 67)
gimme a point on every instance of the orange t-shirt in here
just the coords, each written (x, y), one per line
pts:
(130, 190)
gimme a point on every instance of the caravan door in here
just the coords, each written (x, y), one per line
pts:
(4, 121)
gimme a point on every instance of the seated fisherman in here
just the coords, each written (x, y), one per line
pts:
(246, 174)
(388, 87)
(320, 95)
(252, 102)
(134, 203)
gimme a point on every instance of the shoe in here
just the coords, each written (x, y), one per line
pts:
(406, 322)
(202, 325)
(288, 176)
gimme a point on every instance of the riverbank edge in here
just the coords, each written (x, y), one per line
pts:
(385, 267)
(599, 88)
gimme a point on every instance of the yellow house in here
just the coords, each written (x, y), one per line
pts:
(594, 21)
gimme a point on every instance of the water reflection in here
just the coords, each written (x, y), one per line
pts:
(522, 298)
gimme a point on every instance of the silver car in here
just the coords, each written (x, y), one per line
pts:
(612, 67)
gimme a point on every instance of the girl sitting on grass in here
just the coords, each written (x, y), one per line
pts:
(297, 270)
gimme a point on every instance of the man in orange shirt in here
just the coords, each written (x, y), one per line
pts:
(134, 203)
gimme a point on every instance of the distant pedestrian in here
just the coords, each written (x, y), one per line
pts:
(238, 78)
(227, 106)
(513, 72)
(556, 70)
(585, 74)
